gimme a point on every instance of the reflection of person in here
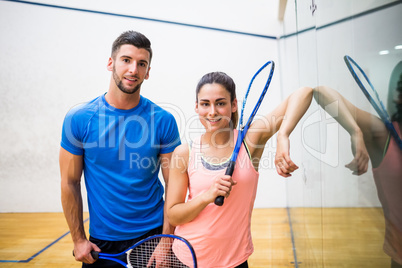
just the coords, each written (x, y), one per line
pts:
(371, 140)
(221, 235)
(120, 140)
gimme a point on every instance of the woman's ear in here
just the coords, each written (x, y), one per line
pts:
(234, 105)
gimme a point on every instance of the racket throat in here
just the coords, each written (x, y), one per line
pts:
(230, 168)
(128, 253)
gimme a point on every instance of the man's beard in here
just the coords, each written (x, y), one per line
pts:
(120, 85)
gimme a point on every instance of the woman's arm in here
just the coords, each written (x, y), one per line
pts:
(296, 106)
(368, 133)
(284, 119)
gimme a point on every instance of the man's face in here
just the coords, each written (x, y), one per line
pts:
(130, 68)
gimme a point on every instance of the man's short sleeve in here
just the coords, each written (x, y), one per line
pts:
(71, 137)
(170, 134)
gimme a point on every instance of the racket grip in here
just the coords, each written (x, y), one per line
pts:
(219, 200)
(229, 171)
(95, 255)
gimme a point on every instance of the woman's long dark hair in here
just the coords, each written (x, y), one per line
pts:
(397, 116)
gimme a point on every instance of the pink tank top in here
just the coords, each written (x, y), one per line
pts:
(221, 236)
(388, 179)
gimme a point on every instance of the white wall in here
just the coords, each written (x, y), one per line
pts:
(53, 59)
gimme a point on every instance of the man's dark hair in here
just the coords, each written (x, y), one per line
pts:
(132, 38)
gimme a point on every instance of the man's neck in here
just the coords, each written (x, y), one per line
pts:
(121, 100)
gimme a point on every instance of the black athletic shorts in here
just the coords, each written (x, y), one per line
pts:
(113, 247)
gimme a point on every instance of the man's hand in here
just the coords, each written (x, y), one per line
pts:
(161, 252)
(82, 251)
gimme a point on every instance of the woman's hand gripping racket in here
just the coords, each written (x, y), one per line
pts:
(157, 251)
(372, 95)
(244, 128)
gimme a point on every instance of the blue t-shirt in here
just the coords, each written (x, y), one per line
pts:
(120, 150)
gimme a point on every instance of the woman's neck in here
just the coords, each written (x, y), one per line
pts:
(218, 138)
(217, 147)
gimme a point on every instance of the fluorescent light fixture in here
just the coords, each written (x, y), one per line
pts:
(384, 52)
(398, 47)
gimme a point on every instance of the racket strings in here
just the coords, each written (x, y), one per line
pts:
(255, 93)
(369, 91)
(165, 251)
(367, 87)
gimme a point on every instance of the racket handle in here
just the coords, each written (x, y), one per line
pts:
(229, 171)
(219, 200)
(94, 254)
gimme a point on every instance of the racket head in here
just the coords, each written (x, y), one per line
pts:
(255, 93)
(371, 94)
(264, 80)
(170, 251)
(367, 88)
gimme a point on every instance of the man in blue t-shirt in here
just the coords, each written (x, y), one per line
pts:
(120, 140)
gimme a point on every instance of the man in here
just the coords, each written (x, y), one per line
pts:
(120, 140)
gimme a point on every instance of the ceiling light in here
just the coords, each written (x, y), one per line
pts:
(384, 52)
(398, 47)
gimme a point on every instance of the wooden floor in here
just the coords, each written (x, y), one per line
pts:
(296, 237)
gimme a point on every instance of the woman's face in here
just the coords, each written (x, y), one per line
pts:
(214, 106)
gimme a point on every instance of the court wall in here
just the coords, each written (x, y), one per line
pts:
(54, 56)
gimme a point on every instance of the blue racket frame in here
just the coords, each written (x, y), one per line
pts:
(113, 257)
(244, 128)
(382, 112)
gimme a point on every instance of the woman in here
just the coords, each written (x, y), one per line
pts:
(221, 235)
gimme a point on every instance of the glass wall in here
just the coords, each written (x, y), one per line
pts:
(346, 206)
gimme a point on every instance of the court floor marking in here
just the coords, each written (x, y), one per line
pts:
(40, 251)
(296, 263)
